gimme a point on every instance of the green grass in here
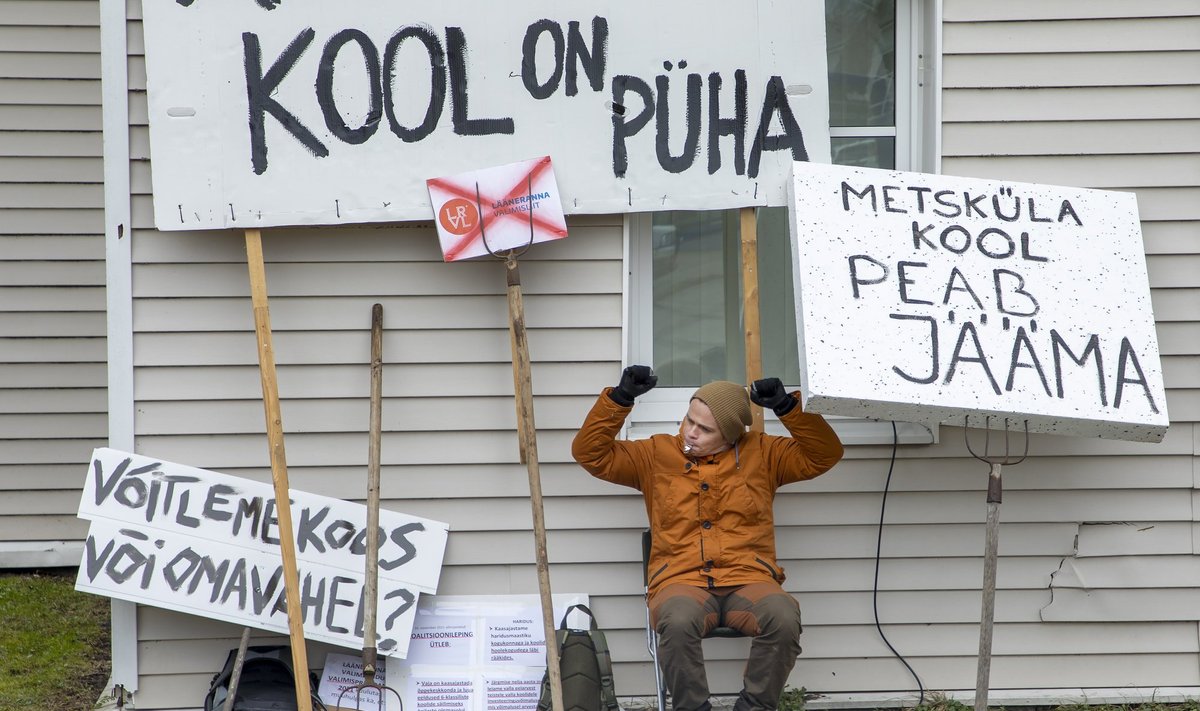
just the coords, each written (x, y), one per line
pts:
(54, 649)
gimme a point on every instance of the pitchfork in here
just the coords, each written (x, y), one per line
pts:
(370, 656)
(991, 546)
(527, 439)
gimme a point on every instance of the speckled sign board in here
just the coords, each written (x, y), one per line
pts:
(941, 299)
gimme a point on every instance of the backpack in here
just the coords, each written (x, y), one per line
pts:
(586, 666)
(266, 682)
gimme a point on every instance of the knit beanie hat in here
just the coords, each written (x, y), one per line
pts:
(730, 407)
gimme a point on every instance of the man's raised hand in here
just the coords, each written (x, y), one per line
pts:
(770, 393)
(635, 380)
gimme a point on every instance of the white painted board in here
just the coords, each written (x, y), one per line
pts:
(942, 299)
(136, 490)
(206, 543)
(242, 586)
(307, 113)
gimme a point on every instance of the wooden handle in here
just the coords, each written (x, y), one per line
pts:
(750, 312)
(371, 580)
(987, 613)
(235, 677)
(527, 434)
(283, 506)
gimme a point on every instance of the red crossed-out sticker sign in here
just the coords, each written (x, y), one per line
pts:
(497, 209)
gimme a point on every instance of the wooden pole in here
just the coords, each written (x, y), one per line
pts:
(235, 677)
(750, 313)
(527, 434)
(987, 613)
(283, 506)
(371, 596)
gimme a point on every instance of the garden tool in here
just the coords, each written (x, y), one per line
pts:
(370, 657)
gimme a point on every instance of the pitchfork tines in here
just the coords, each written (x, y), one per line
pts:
(513, 253)
(986, 455)
(367, 684)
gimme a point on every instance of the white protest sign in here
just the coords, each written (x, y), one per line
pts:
(519, 690)
(190, 539)
(516, 639)
(495, 209)
(442, 692)
(476, 652)
(303, 112)
(340, 677)
(934, 298)
(448, 641)
(151, 493)
(232, 583)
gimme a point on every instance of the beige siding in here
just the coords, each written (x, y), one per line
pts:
(1102, 583)
(52, 321)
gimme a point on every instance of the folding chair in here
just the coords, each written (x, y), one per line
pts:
(652, 636)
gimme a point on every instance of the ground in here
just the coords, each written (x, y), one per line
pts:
(54, 642)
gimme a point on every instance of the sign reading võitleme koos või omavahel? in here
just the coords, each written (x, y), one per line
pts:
(205, 543)
(310, 112)
(934, 298)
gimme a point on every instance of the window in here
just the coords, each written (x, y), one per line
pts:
(685, 293)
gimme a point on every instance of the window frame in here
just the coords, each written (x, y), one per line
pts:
(917, 148)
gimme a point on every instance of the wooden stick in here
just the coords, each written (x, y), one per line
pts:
(235, 677)
(371, 596)
(987, 613)
(283, 507)
(527, 434)
(750, 313)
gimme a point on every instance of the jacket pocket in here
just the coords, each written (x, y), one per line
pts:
(774, 573)
(744, 501)
(655, 574)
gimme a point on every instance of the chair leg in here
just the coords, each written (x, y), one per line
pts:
(652, 647)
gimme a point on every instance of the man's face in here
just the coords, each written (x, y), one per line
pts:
(700, 431)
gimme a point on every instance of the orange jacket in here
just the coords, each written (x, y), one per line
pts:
(712, 519)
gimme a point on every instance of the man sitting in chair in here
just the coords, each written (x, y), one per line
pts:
(709, 492)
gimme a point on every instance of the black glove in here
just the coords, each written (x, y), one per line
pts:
(769, 392)
(635, 380)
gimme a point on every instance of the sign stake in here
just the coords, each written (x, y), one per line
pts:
(750, 312)
(279, 476)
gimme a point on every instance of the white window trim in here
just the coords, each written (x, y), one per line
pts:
(917, 132)
(118, 236)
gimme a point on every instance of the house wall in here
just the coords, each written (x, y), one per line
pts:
(52, 295)
(1098, 582)
(1097, 573)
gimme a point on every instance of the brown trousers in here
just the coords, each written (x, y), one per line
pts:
(682, 615)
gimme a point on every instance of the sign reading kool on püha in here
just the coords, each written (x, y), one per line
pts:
(941, 299)
(206, 543)
(311, 112)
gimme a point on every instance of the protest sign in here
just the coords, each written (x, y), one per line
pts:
(151, 493)
(935, 298)
(471, 652)
(339, 679)
(265, 114)
(206, 543)
(497, 209)
(228, 582)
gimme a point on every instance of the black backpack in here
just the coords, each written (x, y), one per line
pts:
(586, 665)
(266, 683)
